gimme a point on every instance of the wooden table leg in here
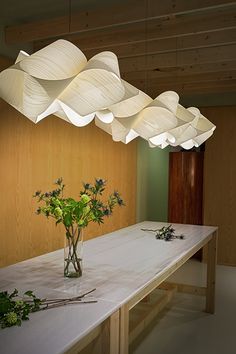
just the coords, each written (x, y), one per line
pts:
(114, 332)
(211, 273)
(124, 329)
(107, 342)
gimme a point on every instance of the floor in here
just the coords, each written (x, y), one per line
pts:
(184, 328)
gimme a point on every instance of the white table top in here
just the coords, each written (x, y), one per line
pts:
(118, 265)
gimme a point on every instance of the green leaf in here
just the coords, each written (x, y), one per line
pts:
(68, 220)
(78, 212)
(29, 293)
(69, 211)
(13, 294)
(5, 305)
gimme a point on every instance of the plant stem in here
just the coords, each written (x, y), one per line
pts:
(76, 298)
(74, 236)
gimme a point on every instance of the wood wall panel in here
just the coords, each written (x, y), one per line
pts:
(185, 187)
(33, 156)
(220, 180)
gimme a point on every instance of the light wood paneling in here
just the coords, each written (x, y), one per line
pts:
(106, 16)
(220, 180)
(200, 56)
(33, 156)
(172, 44)
(204, 87)
(152, 29)
(186, 72)
(184, 42)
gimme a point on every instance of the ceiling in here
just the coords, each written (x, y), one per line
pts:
(184, 45)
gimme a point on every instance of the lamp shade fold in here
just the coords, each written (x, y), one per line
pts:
(59, 80)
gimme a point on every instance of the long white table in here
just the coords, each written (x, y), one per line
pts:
(124, 267)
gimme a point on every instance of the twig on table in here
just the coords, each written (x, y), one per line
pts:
(166, 233)
(61, 300)
(52, 306)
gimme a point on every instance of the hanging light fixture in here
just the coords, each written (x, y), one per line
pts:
(162, 121)
(59, 80)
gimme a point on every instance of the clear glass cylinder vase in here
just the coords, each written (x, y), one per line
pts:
(73, 252)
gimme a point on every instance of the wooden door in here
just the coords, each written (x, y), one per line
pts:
(185, 187)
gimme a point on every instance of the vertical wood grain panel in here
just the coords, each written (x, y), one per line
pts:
(185, 187)
(220, 180)
(33, 156)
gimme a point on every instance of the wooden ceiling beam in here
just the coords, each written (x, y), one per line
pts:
(183, 71)
(157, 29)
(189, 57)
(168, 45)
(5, 62)
(187, 79)
(41, 29)
(209, 87)
(135, 11)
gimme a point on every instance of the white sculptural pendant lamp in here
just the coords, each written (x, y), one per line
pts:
(59, 80)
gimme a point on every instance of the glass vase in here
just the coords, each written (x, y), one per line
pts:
(73, 252)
